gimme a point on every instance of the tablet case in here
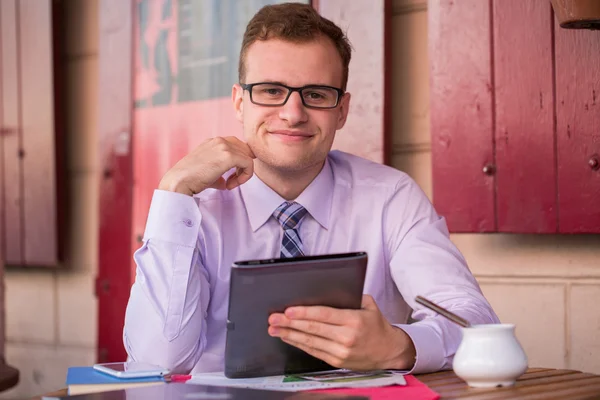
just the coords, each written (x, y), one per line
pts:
(259, 288)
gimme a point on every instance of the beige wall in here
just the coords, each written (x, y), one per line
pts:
(549, 286)
(51, 315)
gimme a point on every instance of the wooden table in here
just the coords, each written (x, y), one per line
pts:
(536, 383)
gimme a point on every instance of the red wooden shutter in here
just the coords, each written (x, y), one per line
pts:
(524, 117)
(461, 114)
(578, 129)
(515, 118)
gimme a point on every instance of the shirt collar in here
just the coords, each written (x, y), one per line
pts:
(261, 200)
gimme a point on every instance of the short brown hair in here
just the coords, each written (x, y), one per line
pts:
(294, 22)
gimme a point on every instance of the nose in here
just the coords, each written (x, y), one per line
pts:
(293, 111)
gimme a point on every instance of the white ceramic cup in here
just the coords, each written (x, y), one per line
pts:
(490, 356)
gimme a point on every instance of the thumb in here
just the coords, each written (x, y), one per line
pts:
(368, 302)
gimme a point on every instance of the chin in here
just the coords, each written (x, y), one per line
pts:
(286, 165)
(287, 159)
(289, 164)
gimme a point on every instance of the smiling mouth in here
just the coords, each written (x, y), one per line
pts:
(292, 134)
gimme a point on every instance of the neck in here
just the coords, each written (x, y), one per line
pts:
(287, 184)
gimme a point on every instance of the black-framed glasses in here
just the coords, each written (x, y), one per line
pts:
(271, 94)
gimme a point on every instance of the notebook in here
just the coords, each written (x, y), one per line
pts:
(87, 380)
(182, 391)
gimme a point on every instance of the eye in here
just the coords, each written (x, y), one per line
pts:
(315, 95)
(272, 91)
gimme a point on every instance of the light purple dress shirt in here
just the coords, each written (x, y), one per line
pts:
(177, 311)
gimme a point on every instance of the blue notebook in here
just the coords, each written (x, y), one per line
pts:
(88, 380)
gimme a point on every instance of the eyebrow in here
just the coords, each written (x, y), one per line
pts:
(274, 82)
(285, 84)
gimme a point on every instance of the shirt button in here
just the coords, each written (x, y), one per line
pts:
(188, 222)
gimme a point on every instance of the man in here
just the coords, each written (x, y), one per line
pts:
(288, 195)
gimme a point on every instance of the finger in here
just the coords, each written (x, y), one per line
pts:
(235, 180)
(244, 174)
(333, 316)
(240, 146)
(322, 355)
(278, 319)
(313, 342)
(368, 302)
(226, 144)
(206, 164)
(244, 169)
(315, 328)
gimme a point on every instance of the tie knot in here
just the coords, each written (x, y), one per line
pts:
(289, 214)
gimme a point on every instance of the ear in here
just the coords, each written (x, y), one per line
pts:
(343, 108)
(237, 97)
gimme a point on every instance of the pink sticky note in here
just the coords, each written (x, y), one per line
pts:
(413, 390)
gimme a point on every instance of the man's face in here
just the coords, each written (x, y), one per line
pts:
(291, 137)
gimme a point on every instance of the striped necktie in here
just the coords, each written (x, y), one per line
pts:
(289, 215)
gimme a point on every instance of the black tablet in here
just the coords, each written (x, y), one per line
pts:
(259, 288)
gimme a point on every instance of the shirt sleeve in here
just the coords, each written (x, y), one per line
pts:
(165, 319)
(424, 261)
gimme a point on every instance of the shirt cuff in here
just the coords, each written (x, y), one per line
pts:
(174, 218)
(428, 345)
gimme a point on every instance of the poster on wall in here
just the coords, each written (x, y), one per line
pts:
(188, 50)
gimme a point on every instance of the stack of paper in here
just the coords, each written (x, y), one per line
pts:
(312, 381)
